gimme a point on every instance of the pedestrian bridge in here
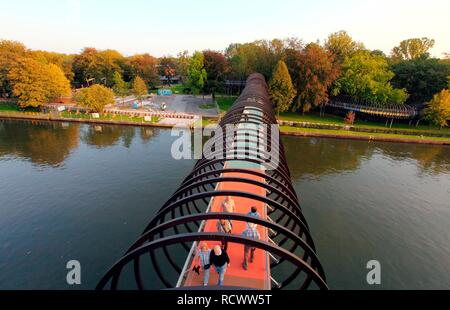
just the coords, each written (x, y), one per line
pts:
(250, 166)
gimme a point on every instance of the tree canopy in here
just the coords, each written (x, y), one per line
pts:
(146, 67)
(168, 67)
(340, 65)
(216, 65)
(438, 109)
(366, 77)
(35, 83)
(422, 77)
(10, 53)
(120, 86)
(139, 88)
(196, 72)
(282, 92)
(93, 66)
(95, 97)
(183, 65)
(342, 45)
(314, 73)
(412, 48)
(61, 60)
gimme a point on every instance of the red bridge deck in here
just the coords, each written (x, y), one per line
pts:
(258, 274)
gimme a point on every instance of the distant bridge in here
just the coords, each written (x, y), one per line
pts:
(390, 111)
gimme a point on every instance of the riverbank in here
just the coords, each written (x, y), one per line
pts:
(307, 129)
(361, 136)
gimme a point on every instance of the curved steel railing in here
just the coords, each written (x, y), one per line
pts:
(180, 221)
(391, 111)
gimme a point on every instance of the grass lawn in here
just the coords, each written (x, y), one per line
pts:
(8, 106)
(206, 106)
(109, 117)
(333, 119)
(13, 107)
(178, 89)
(207, 121)
(361, 134)
(225, 102)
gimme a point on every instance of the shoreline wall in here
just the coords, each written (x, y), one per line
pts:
(48, 117)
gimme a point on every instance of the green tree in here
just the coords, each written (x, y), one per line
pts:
(412, 48)
(366, 77)
(438, 109)
(282, 92)
(314, 71)
(139, 88)
(197, 74)
(422, 77)
(120, 86)
(35, 83)
(342, 45)
(183, 65)
(95, 97)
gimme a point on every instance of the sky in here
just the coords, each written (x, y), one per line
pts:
(168, 27)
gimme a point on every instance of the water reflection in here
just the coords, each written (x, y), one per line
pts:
(48, 143)
(51, 143)
(316, 157)
(431, 159)
(43, 143)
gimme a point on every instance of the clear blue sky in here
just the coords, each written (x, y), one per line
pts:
(167, 27)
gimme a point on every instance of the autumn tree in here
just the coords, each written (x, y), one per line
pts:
(260, 56)
(342, 45)
(422, 77)
(35, 83)
(216, 66)
(366, 77)
(95, 97)
(412, 48)
(197, 74)
(350, 118)
(146, 67)
(61, 60)
(139, 88)
(282, 92)
(93, 66)
(313, 72)
(168, 68)
(438, 109)
(120, 86)
(10, 53)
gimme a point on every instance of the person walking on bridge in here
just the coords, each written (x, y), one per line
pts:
(254, 212)
(228, 205)
(250, 232)
(203, 255)
(224, 226)
(220, 260)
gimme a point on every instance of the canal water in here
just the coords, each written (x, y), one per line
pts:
(81, 192)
